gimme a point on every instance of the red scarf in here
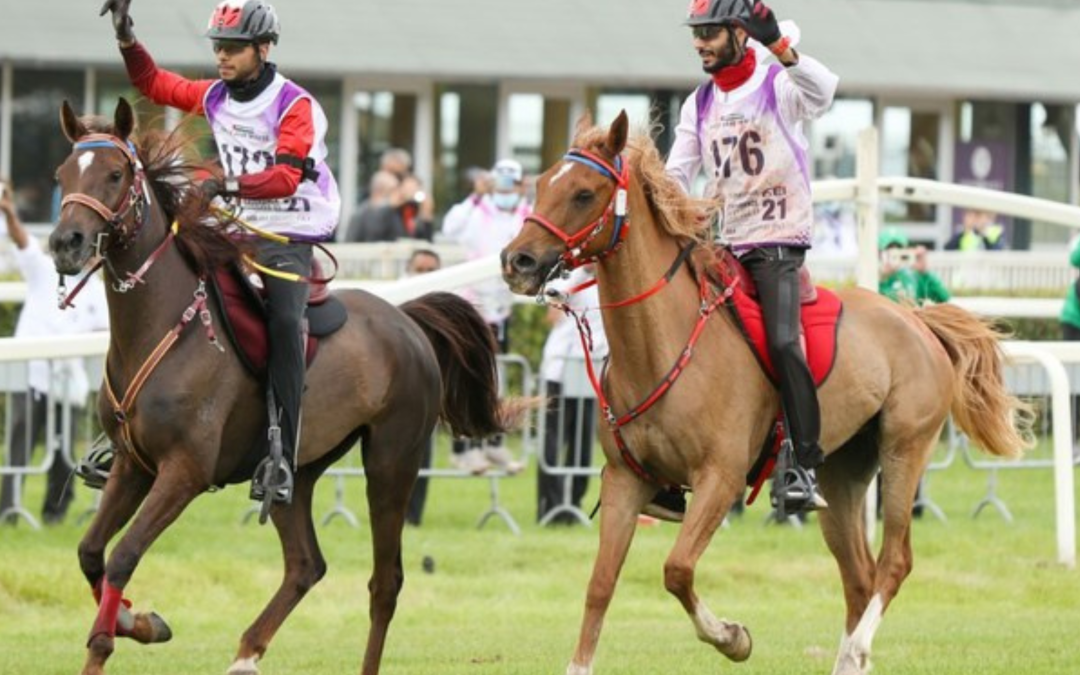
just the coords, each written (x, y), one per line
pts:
(729, 78)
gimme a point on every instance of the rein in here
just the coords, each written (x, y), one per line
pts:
(573, 257)
(617, 206)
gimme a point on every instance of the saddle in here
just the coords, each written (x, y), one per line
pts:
(821, 311)
(242, 305)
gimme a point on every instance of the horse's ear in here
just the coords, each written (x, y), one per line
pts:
(617, 134)
(584, 123)
(69, 122)
(124, 119)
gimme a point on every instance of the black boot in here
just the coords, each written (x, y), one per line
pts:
(795, 490)
(667, 504)
(273, 478)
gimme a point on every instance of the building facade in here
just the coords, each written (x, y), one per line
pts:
(962, 90)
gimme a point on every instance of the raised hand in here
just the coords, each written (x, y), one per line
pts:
(762, 24)
(122, 21)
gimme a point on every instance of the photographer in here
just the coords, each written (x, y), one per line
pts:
(904, 274)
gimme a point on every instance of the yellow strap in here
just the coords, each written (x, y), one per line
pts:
(272, 236)
(287, 276)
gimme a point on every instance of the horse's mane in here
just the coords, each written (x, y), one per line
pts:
(172, 169)
(678, 214)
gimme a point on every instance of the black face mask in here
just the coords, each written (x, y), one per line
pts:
(249, 89)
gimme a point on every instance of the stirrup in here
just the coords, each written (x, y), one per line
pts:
(797, 492)
(94, 468)
(667, 504)
(275, 482)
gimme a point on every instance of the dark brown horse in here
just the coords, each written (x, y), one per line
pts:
(194, 418)
(898, 374)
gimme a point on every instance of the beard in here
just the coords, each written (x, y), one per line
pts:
(726, 57)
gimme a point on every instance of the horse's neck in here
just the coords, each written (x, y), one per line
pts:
(649, 333)
(140, 318)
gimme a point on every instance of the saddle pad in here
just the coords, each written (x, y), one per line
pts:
(820, 320)
(242, 308)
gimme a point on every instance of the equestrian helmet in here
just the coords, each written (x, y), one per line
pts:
(252, 20)
(713, 12)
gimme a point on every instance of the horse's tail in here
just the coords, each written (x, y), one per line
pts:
(466, 351)
(997, 421)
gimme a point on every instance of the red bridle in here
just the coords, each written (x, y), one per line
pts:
(577, 242)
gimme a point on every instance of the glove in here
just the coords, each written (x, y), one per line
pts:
(122, 22)
(762, 24)
(217, 187)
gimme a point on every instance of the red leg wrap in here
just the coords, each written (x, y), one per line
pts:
(108, 608)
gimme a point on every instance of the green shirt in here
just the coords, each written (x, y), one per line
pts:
(1070, 313)
(916, 286)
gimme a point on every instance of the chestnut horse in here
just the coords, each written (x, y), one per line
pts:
(194, 418)
(899, 373)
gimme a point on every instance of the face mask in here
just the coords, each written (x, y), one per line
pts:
(506, 201)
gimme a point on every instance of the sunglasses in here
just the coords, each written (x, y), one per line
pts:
(706, 32)
(230, 47)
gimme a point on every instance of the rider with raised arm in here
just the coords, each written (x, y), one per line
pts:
(270, 135)
(743, 128)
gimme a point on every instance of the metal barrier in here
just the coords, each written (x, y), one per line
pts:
(351, 465)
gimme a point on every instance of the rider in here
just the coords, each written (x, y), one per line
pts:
(270, 135)
(743, 127)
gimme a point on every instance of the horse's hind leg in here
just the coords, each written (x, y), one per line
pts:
(713, 496)
(622, 495)
(844, 479)
(391, 466)
(304, 567)
(172, 491)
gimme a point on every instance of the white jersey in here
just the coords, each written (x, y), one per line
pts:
(749, 143)
(247, 136)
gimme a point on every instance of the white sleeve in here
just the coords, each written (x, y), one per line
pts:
(807, 91)
(455, 220)
(684, 160)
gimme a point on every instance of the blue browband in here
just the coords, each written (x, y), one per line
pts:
(617, 230)
(597, 166)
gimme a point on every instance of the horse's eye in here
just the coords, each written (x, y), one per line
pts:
(116, 176)
(584, 197)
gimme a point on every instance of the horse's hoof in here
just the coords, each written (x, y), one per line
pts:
(150, 629)
(243, 667)
(575, 669)
(741, 644)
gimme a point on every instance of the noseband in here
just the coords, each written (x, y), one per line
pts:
(136, 197)
(577, 243)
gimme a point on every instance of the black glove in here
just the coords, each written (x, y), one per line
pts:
(122, 22)
(217, 187)
(762, 24)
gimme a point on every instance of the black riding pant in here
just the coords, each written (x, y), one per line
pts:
(285, 304)
(775, 271)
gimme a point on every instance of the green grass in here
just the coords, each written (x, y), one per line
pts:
(985, 597)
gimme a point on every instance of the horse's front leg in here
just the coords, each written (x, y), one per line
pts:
(304, 566)
(125, 490)
(622, 495)
(171, 492)
(713, 496)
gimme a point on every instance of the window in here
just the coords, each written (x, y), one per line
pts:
(384, 120)
(911, 147)
(835, 137)
(37, 145)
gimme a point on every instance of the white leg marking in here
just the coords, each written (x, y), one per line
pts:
(854, 655)
(243, 667)
(563, 170)
(575, 669)
(85, 160)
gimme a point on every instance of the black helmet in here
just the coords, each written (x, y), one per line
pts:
(252, 20)
(712, 12)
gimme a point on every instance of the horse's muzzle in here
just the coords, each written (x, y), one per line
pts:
(523, 271)
(70, 248)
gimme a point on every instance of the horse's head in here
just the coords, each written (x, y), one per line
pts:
(580, 209)
(103, 189)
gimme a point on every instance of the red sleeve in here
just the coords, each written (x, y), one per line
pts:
(162, 86)
(295, 138)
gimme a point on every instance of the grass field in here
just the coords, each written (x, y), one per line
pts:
(985, 597)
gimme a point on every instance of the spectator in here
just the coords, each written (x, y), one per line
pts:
(58, 382)
(1070, 327)
(904, 273)
(979, 232)
(483, 224)
(372, 221)
(414, 206)
(570, 419)
(421, 261)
